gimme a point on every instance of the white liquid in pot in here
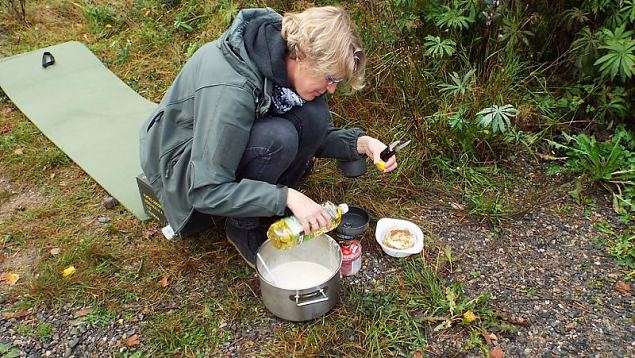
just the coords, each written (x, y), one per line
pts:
(297, 275)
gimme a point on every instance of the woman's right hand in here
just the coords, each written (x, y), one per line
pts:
(311, 214)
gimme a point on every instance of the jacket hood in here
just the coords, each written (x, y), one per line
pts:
(266, 48)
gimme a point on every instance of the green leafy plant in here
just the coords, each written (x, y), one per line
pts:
(620, 244)
(628, 10)
(438, 48)
(585, 49)
(452, 18)
(608, 163)
(497, 117)
(611, 102)
(9, 351)
(576, 16)
(620, 58)
(459, 85)
(514, 34)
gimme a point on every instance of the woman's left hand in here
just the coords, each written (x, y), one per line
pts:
(372, 147)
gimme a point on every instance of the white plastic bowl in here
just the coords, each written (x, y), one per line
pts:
(386, 224)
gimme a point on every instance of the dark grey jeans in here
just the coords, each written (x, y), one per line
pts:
(281, 146)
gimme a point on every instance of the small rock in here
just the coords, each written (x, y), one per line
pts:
(103, 220)
(110, 202)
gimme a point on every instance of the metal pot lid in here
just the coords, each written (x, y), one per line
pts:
(354, 223)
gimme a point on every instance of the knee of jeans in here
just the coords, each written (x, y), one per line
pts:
(316, 119)
(283, 140)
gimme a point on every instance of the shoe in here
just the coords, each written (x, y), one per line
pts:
(246, 241)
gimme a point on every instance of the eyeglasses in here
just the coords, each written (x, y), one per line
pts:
(331, 80)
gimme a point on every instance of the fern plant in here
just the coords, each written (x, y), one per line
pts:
(459, 85)
(438, 48)
(497, 117)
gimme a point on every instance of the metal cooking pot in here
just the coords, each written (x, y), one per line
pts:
(308, 302)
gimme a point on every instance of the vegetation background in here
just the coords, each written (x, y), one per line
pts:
(476, 84)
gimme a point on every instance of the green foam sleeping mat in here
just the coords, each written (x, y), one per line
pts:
(86, 110)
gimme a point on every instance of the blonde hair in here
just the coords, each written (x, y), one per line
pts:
(326, 37)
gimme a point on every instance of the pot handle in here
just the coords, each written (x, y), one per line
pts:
(306, 299)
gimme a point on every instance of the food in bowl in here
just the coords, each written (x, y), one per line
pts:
(400, 238)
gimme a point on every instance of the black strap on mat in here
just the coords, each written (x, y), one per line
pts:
(47, 59)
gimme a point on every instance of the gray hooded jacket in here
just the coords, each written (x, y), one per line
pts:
(191, 145)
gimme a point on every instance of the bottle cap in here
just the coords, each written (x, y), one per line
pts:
(344, 208)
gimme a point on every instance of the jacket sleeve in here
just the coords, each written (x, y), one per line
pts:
(223, 119)
(341, 144)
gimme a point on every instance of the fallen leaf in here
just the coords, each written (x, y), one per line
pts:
(417, 354)
(18, 151)
(132, 341)
(68, 271)
(55, 251)
(489, 337)
(108, 26)
(12, 278)
(164, 282)
(623, 287)
(569, 326)
(497, 352)
(18, 314)
(469, 316)
(82, 312)
(52, 176)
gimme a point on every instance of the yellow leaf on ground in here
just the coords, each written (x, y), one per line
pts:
(12, 278)
(132, 341)
(68, 271)
(469, 316)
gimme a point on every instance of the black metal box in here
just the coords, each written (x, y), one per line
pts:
(151, 204)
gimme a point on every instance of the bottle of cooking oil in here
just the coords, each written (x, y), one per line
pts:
(288, 232)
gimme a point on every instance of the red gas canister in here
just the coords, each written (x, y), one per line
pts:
(351, 257)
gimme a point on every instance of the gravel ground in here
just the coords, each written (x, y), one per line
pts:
(545, 272)
(73, 333)
(547, 275)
